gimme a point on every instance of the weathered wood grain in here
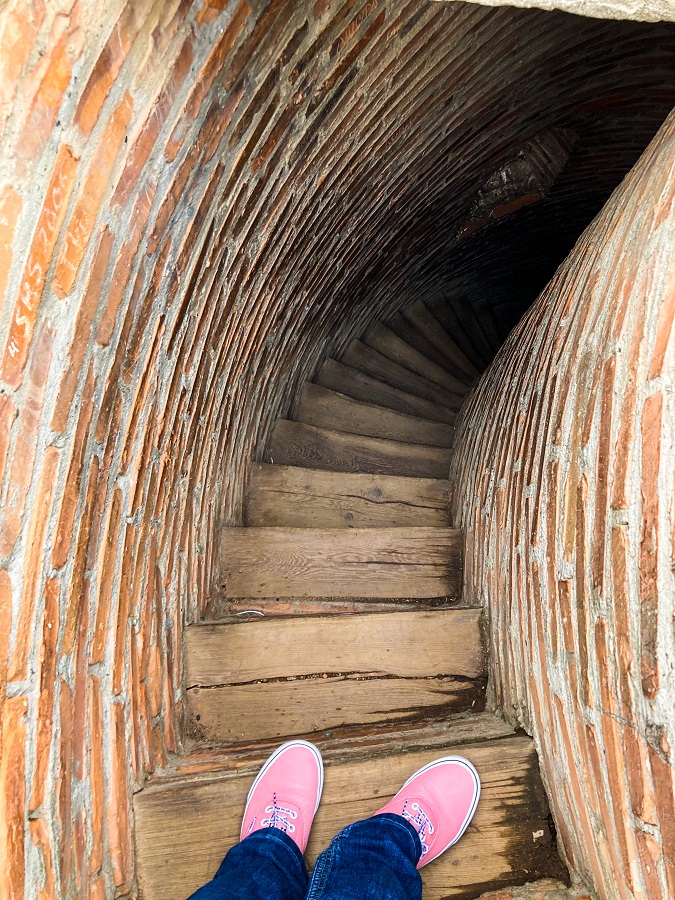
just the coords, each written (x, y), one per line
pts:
(285, 709)
(295, 444)
(411, 644)
(184, 825)
(390, 345)
(427, 323)
(325, 408)
(364, 358)
(312, 498)
(341, 562)
(342, 378)
(408, 333)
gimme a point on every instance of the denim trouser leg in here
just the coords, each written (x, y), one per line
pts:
(267, 864)
(374, 859)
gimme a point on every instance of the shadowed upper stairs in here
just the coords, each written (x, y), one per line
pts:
(340, 620)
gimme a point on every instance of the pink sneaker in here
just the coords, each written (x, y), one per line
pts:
(439, 800)
(286, 792)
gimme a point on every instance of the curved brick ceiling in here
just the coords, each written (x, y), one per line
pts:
(198, 202)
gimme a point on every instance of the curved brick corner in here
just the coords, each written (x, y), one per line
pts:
(565, 466)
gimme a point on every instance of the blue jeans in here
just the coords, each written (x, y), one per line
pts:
(374, 859)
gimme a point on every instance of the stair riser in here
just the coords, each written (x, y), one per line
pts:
(378, 563)
(345, 380)
(406, 645)
(372, 362)
(306, 707)
(305, 498)
(324, 408)
(295, 444)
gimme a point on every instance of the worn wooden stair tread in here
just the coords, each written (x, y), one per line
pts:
(339, 377)
(297, 444)
(326, 408)
(508, 842)
(382, 339)
(342, 562)
(407, 332)
(460, 320)
(364, 358)
(303, 498)
(287, 677)
(421, 317)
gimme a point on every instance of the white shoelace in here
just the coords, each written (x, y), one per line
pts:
(279, 817)
(421, 821)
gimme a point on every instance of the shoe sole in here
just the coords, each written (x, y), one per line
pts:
(472, 769)
(277, 753)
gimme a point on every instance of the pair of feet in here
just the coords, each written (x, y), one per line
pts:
(439, 800)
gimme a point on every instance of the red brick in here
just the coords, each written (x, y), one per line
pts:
(636, 753)
(203, 80)
(80, 584)
(64, 787)
(624, 452)
(5, 631)
(664, 327)
(7, 415)
(45, 705)
(649, 854)
(64, 529)
(664, 793)
(148, 130)
(105, 582)
(46, 87)
(32, 566)
(602, 474)
(83, 323)
(107, 67)
(10, 209)
(32, 282)
(23, 458)
(121, 649)
(615, 772)
(96, 774)
(117, 805)
(124, 261)
(80, 749)
(39, 831)
(19, 25)
(89, 200)
(97, 888)
(12, 796)
(621, 591)
(649, 596)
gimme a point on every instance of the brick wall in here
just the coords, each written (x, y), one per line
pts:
(199, 199)
(565, 464)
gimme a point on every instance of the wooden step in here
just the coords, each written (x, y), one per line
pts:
(428, 325)
(187, 820)
(312, 498)
(324, 408)
(324, 672)
(365, 358)
(408, 333)
(342, 562)
(345, 380)
(296, 444)
(390, 345)
(458, 317)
